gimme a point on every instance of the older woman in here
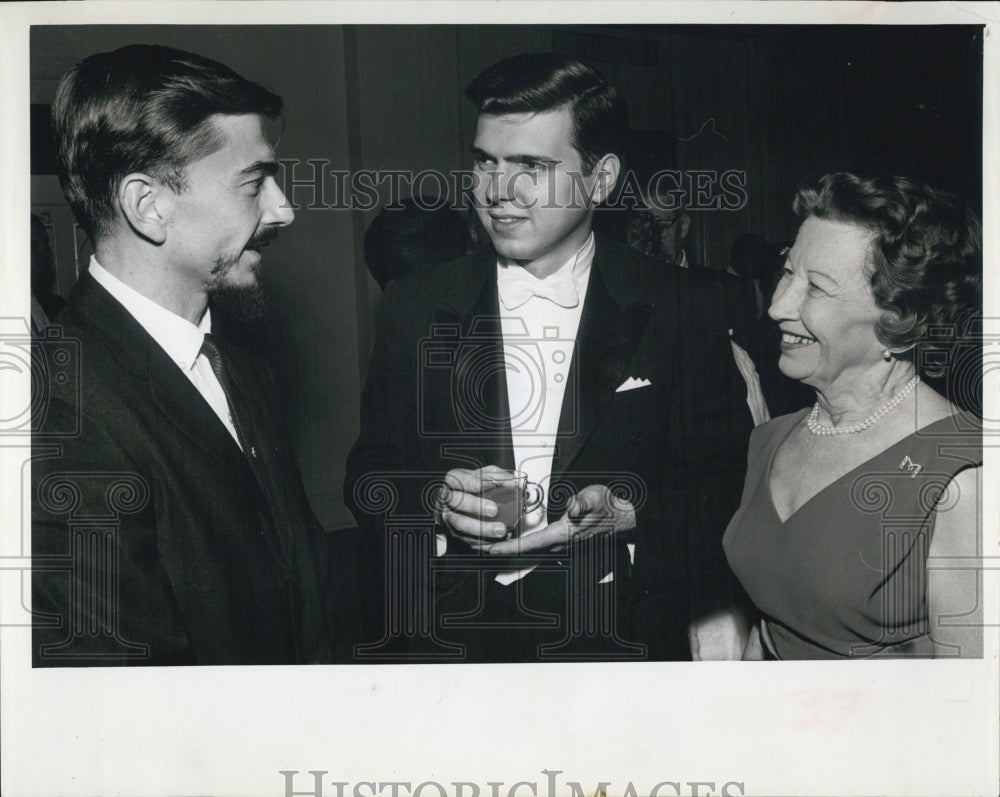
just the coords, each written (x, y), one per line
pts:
(859, 515)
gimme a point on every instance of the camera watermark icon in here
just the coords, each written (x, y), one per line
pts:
(474, 365)
(52, 364)
(960, 361)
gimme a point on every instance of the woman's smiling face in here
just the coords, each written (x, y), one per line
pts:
(825, 307)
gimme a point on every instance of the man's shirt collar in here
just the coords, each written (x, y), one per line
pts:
(177, 336)
(516, 284)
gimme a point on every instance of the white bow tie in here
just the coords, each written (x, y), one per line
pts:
(516, 286)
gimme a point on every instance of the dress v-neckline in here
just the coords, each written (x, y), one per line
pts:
(814, 496)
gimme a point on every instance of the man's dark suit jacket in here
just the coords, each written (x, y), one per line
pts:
(153, 541)
(436, 399)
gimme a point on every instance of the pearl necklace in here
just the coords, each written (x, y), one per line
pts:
(816, 428)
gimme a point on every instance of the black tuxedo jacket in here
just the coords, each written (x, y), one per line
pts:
(153, 540)
(436, 399)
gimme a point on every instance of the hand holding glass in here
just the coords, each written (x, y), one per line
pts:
(514, 496)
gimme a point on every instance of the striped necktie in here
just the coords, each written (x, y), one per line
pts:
(237, 410)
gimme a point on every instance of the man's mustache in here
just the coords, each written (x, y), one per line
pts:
(263, 238)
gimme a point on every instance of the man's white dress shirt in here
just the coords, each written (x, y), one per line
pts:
(538, 342)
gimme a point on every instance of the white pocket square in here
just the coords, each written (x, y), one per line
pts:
(632, 383)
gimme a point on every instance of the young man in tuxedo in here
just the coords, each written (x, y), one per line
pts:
(604, 377)
(169, 521)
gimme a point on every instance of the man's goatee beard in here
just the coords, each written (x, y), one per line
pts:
(241, 302)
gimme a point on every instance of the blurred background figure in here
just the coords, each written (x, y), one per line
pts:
(674, 226)
(416, 236)
(662, 234)
(45, 302)
(649, 213)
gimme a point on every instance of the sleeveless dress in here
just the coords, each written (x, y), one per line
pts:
(845, 575)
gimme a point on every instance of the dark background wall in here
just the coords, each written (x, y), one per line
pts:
(782, 104)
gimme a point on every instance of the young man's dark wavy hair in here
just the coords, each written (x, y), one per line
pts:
(537, 82)
(142, 108)
(925, 260)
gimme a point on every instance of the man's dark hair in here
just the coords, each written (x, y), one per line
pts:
(142, 108)
(536, 82)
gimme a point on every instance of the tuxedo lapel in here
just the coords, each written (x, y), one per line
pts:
(477, 397)
(609, 333)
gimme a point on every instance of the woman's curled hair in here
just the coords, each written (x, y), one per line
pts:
(925, 260)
